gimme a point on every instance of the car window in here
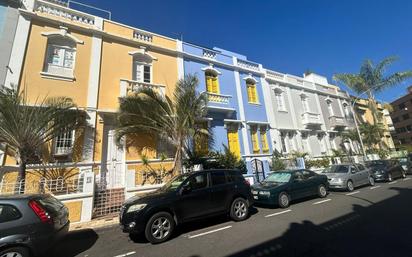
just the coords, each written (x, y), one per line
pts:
(353, 169)
(298, 175)
(361, 167)
(308, 174)
(218, 177)
(8, 213)
(336, 169)
(233, 176)
(51, 204)
(197, 181)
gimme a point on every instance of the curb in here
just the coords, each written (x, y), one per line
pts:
(96, 223)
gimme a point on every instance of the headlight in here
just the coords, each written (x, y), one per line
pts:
(337, 180)
(135, 207)
(265, 193)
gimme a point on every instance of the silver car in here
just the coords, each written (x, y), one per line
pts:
(348, 176)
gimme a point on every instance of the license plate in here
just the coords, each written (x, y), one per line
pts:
(255, 197)
(254, 192)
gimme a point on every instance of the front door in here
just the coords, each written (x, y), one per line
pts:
(300, 188)
(221, 191)
(114, 162)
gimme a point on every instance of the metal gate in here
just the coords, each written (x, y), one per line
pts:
(258, 169)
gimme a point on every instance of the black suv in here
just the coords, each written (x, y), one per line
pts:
(186, 197)
(31, 224)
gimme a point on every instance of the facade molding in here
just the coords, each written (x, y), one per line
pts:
(62, 33)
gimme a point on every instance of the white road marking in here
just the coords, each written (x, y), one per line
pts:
(277, 213)
(125, 254)
(375, 187)
(352, 193)
(323, 201)
(209, 232)
(393, 182)
(406, 179)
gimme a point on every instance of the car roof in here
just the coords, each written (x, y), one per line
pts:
(21, 196)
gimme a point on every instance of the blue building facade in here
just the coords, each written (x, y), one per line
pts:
(236, 108)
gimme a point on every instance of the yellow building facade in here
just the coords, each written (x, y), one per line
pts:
(93, 61)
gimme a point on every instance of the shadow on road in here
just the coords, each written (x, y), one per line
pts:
(73, 243)
(380, 230)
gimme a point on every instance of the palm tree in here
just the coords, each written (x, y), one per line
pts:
(372, 79)
(173, 120)
(26, 127)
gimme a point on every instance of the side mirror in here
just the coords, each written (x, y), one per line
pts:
(352, 171)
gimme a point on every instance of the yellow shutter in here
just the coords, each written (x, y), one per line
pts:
(249, 93)
(233, 142)
(215, 85)
(252, 93)
(255, 95)
(264, 141)
(255, 141)
(209, 84)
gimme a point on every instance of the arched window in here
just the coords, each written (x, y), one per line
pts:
(280, 101)
(212, 81)
(142, 67)
(305, 103)
(60, 56)
(252, 95)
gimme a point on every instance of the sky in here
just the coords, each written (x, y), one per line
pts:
(289, 36)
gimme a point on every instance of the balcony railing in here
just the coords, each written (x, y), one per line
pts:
(62, 12)
(146, 37)
(218, 98)
(336, 121)
(209, 54)
(248, 65)
(309, 118)
(128, 87)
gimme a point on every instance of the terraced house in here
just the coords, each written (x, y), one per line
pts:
(306, 114)
(94, 61)
(236, 108)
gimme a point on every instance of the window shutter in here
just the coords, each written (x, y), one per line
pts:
(233, 141)
(255, 141)
(264, 141)
(215, 85)
(138, 76)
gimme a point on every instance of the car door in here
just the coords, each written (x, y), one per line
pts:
(10, 221)
(221, 191)
(196, 201)
(312, 180)
(363, 174)
(300, 187)
(355, 175)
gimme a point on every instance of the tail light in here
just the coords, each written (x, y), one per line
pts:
(40, 212)
(246, 182)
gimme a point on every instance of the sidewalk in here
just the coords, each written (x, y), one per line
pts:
(96, 223)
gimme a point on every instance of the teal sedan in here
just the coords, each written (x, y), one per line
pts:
(282, 187)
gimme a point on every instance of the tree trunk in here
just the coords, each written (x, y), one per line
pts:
(21, 179)
(177, 166)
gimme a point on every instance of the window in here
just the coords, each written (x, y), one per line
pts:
(264, 140)
(405, 116)
(280, 101)
(308, 174)
(305, 104)
(64, 143)
(305, 142)
(332, 137)
(197, 182)
(233, 140)
(330, 107)
(60, 56)
(201, 139)
(212, 82)
(298, 176)
(164, 149)
(346, 110)
(255, 140)
(51, 204)
(8, 213)
(252, 95)
(321, 143)
(218, 177)
(361, 167)
(142, 68)
(283, 142)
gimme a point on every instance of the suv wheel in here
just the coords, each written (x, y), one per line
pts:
(15, 252)
(239, 210)
(159, 228)
(349, 186)
(322, 191)
(283, 200)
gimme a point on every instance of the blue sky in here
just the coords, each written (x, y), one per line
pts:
(288, 36)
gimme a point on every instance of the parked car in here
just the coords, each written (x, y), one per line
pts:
(31, 224)
(406, 164)
(282, 187)
(348, 176)
(386, 170)
(186, 197)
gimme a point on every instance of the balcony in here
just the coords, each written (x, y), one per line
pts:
(128, 87)
(337, 122)
(311, 119)
(219, 103)
(63, 13)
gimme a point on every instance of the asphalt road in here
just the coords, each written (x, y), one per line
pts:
(371, 221)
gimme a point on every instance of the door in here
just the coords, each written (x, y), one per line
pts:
(300, 187)
(364, 174)
(355, 176)
(196, 201)
(312, 181)
(220, 191)
(114, 162)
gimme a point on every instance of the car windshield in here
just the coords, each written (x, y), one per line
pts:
(337, 169)
(278, 177)
(377, 164)
(175, 182)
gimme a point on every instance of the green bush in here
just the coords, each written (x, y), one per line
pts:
(225, 160)
(317, 163)
(277, 164)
